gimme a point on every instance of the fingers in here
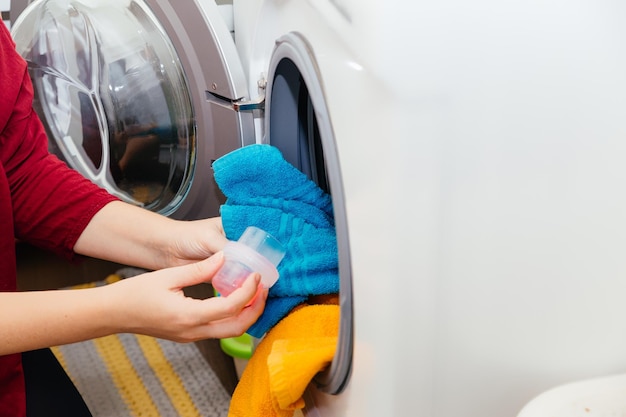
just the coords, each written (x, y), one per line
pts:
(216, 222)
(242, 297)
(193, 241)
(198, 272)
(207, 234)
(250, 287)
(234, 325)
(233, 315)
(160, 308)
(218, 239)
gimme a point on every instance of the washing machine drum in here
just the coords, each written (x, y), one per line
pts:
(113, 96)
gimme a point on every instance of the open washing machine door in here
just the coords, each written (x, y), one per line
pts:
(144, 109)
(297, 121)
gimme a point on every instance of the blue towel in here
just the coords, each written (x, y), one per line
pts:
(262, 189)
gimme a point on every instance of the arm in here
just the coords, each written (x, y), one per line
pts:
(131, 235)
(151, 304)
(56, 208)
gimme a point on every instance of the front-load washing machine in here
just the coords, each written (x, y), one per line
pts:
(474, 152)
(142, 96)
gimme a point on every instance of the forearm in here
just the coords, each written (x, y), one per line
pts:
(128, 235)
(153, 304)
(32, 320)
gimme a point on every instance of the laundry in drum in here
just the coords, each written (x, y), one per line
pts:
(263, 190)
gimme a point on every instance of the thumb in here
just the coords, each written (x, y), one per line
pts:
(198, 272)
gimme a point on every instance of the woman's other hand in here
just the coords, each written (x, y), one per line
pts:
(154, 304)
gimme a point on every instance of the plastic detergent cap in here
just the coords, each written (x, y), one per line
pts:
(264, 244)
(255, 251)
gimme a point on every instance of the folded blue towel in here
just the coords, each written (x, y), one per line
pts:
(264, 190)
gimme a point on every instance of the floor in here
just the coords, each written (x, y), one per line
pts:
(39, 270)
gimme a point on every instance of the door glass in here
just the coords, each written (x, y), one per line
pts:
(113, 96)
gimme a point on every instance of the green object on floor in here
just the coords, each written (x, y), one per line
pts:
(238, 347)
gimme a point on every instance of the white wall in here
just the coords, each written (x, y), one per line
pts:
(5, 5)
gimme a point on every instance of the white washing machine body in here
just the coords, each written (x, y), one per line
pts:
(479, 147)
(474, 151)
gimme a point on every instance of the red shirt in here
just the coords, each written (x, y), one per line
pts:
(42, 201)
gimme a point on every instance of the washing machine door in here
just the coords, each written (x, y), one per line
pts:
(138, 95)
(298, 122)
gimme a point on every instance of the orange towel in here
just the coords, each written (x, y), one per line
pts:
(285, 361)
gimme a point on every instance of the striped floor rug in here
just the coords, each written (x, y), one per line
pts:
(133, 375)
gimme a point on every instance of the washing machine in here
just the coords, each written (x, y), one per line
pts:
(141, 98)
(474, 152)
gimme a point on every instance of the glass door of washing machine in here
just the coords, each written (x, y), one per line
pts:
(137, 95)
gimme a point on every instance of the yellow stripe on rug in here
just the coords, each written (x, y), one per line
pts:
(129, 375)
(108, 280)
(170, 381)
(125, 377)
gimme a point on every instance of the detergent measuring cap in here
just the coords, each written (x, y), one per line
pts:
(255, 251)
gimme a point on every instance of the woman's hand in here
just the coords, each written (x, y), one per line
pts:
(154, 304)
(130, 235)
(195, 240)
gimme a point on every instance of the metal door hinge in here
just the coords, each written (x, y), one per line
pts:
(247, 105)
(240, 104)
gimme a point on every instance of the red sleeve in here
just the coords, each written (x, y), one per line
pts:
(52, 204)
